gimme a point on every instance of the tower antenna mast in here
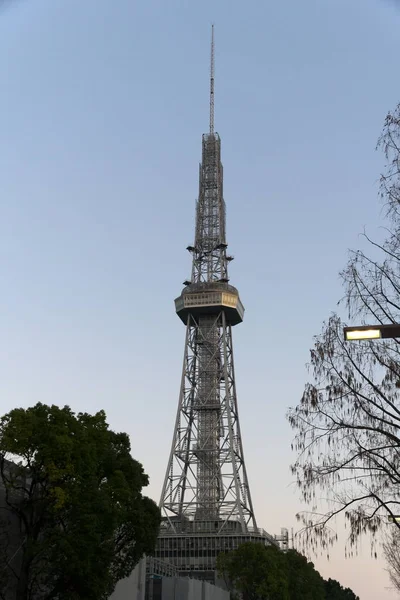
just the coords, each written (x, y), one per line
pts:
(212, 72)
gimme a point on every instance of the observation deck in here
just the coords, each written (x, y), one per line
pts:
(209, 298)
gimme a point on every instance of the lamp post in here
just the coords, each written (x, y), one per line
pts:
(374, 332)
(371, 332)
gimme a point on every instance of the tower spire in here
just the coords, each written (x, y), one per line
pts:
(212, 72)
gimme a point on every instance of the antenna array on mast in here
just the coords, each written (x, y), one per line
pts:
(212, 70)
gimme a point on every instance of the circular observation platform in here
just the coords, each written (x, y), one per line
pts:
(202, 299)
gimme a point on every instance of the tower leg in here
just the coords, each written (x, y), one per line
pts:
(206, 480)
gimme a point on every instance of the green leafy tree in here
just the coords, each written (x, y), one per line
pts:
(334, 591)
(305, 583)
(257, 572)
(76, 493)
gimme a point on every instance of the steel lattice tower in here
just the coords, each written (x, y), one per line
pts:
(205, 501)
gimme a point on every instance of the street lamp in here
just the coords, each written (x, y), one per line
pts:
(371, 332)
(374, 332)
(394, 518)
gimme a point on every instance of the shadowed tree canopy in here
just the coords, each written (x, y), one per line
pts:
(305, 583)
(76, 494)
(334, 591)
(347, 422)
(260, 572)
(256, 571)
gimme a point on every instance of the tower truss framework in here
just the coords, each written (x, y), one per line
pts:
(206, 479)
(205, 501)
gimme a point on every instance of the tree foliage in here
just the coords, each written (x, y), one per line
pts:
(255, 571)
(391, 550)
(76, 493)
(347, 422)
(334, 591)
(305, 583)
(260, 572)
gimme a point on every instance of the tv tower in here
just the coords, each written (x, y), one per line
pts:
(205, 501)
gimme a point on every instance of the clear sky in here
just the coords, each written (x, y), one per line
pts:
(102, 107)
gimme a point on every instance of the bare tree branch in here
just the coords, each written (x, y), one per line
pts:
(347, 424)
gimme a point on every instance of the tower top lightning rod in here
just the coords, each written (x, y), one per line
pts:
(212, 72)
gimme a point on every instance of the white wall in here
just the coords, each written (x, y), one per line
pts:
(132, 587)
(174, 588)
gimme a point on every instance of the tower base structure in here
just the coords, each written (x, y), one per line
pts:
(192, 547)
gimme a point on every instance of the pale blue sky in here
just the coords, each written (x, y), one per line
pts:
(102, 107)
